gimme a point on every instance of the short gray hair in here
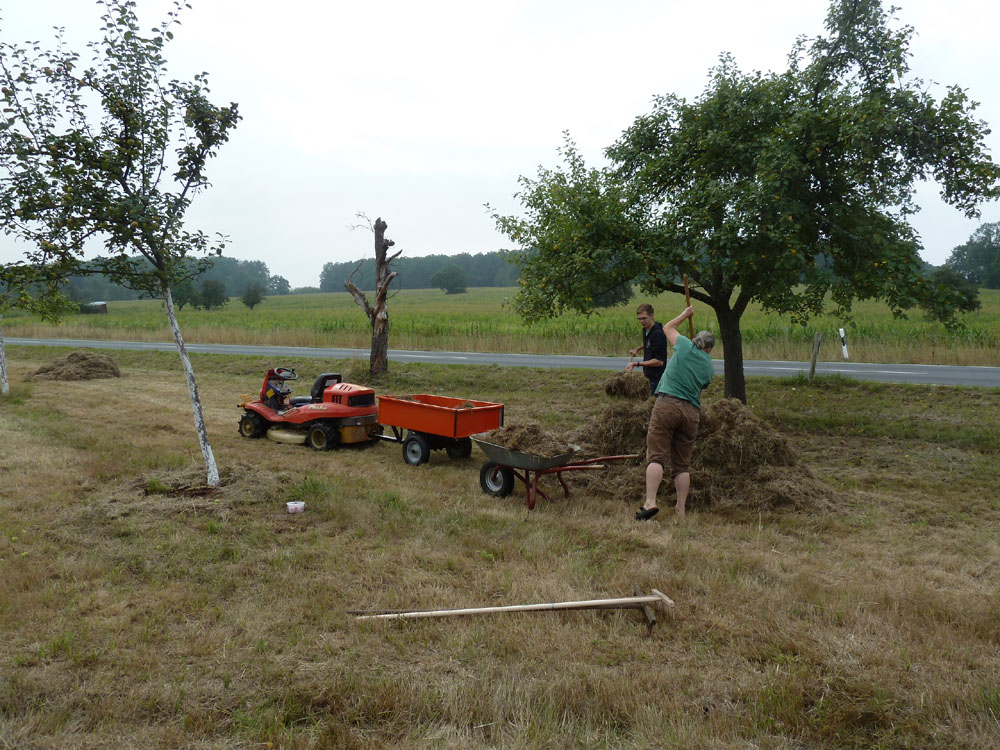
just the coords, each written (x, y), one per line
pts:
(704, 340)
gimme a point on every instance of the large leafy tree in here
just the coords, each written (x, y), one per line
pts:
(111, 152)
(785, 188)
(978, 260)
(451, 279)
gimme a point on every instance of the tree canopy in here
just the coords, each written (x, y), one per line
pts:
(451, 280)
(978, 260)
(784, 188)
(111, 152)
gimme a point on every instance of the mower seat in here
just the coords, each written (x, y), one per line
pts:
(322, 383)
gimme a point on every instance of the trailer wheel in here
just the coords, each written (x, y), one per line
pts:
(416, 449)
(252, 425)
(323, 437)
(460, 448)
(496, 480)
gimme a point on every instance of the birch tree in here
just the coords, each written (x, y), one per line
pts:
(112, 152)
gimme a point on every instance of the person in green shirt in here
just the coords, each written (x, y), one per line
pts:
(673, 425)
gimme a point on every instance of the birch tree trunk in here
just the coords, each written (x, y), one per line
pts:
(211, 469)
(378, 315)
(4, 384)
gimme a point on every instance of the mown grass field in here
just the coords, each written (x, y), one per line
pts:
(136, 613)
(481, 320)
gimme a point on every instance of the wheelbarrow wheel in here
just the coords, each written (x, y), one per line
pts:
(460, 448)
(496, 480)
(416, 449)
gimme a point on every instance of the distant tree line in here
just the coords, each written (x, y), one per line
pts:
(237, 277)
(227, 277)
(482, 269)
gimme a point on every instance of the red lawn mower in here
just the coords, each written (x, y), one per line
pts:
(334, 413)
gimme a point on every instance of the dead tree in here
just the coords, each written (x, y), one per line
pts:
(378, 314)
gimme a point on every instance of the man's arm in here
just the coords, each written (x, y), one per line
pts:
(670, 329)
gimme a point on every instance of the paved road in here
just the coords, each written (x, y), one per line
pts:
(987, 377)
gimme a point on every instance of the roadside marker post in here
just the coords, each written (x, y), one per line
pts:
(843, 342)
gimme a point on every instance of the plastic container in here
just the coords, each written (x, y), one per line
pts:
(296, 506)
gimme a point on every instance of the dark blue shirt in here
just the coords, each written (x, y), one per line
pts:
(654, 346)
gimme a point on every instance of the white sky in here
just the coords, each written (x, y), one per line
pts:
(421, 112)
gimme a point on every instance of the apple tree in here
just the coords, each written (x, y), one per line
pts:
(785, 188)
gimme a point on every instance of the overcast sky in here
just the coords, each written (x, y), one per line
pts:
(421, 112)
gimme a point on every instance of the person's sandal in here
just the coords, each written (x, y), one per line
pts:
(645, 515)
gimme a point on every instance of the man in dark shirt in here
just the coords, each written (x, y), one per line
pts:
(654, 347)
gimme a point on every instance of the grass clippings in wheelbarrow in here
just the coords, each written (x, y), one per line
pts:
(738, 460)
(630, 385)
(529, 437)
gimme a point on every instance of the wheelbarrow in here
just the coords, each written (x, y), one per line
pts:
(503, 465)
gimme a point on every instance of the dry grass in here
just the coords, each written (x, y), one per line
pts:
(140, 611)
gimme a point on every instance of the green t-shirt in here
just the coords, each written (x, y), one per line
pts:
(688, 372)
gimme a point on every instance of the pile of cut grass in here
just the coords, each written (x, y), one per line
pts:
(79, 365)
(738, 461)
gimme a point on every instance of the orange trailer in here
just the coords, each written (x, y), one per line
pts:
(436, 422)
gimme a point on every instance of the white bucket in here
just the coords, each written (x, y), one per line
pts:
(296, 506)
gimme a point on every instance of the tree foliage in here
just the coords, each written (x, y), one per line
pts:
(253, 295)
(112, 152)
(785, 188)
(481, 269)
(451, 280)
(949, 282)
(211, 295)
(978, 260)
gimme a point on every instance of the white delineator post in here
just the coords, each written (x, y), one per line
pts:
(843, 342)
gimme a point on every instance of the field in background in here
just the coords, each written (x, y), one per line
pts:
(482, 321)
(138, 612)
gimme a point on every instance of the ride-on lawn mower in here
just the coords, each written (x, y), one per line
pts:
(334, 412)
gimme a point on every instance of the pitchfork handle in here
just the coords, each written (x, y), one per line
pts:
(687, 299)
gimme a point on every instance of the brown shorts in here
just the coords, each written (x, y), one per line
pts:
(673, 426)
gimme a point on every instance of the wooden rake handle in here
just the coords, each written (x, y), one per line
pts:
(687, 299)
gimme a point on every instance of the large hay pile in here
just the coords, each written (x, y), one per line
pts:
(529, 437)
(738, 460)
(78, 366)
(629, 385)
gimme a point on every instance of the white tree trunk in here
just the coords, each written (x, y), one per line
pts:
(211, 469)
(4, 384)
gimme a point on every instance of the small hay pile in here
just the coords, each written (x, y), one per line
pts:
(738, 460)
(630, 385)
(78, 366)
(529, 437)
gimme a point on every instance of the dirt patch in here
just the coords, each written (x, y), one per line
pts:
(628, 385)
(738, 460)
(78, 366)
(529, 437)
(165, 493)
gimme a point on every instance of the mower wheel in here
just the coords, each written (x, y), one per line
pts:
(252, 425)
(416, 449)
(460, 448)
(323, 437)
(496, 480)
